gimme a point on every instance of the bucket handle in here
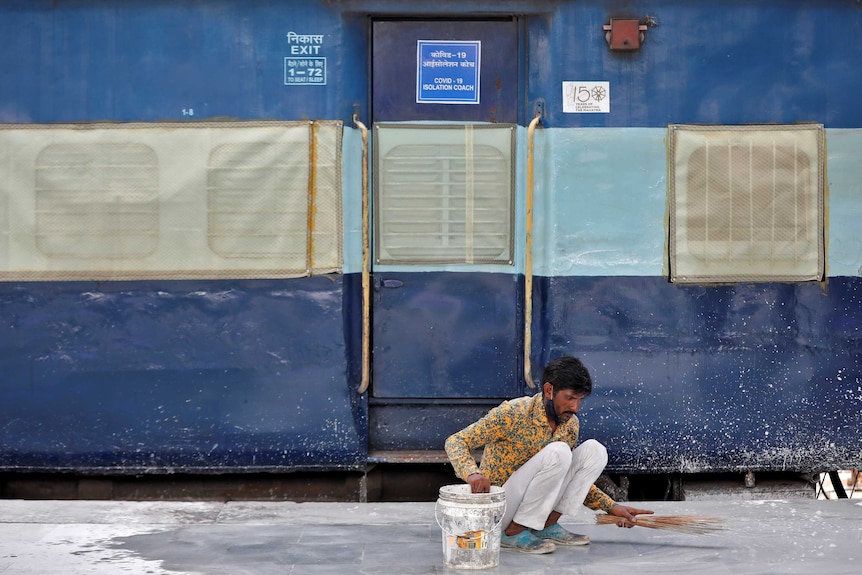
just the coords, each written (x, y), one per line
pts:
(443, 529)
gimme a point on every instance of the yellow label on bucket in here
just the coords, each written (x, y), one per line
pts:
(472, 540)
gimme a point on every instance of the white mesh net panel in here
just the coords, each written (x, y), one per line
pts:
(444, 193)
(746, 203)
(170, 201)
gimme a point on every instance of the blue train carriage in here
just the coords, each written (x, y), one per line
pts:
(295, 236)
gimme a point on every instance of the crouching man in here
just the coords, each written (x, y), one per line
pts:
(531, 449)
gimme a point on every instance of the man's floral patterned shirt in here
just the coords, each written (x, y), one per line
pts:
(511, 434)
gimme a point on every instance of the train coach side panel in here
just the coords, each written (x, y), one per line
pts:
(230, 375)
(200, 376)
(696, 378)
(159, 376)
(762, 376)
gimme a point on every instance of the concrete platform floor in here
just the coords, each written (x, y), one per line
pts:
(285, 538)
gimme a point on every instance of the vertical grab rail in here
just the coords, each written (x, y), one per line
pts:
(312, 196)
(366, 274)
(528, 252)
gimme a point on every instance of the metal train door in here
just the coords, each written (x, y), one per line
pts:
(445, 303)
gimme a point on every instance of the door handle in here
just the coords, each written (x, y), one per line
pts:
(387, 283)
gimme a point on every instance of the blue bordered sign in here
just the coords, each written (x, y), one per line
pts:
(447, 71)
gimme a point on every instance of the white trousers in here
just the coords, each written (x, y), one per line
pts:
(555, 479)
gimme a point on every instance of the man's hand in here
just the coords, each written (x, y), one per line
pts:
(480, 484)
(627, 514)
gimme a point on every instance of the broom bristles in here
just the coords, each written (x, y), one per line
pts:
(690, 524)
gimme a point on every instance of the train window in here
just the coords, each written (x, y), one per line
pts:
(444, 194)
(746, 203)
(258, 202)
(170, 201)
(96, 200)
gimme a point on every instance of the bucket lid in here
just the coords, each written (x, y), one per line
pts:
(461, 494)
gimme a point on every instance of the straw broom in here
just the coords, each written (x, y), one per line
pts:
(689, 524)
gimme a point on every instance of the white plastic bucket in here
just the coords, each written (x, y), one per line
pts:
(471, 526)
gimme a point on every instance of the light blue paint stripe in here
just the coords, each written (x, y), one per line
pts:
(844, 228)
(600, 202)
(351, 212)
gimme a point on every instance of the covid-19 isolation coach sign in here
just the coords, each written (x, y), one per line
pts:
(448, 71)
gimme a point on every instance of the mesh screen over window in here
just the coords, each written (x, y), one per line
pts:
(746, 203)
(97, 201)
(256, 204)
(173, 201)
(444, 193)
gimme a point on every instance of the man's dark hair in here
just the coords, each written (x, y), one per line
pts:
(568, 372)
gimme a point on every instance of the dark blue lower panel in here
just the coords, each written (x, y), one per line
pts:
(261, 375)
(763, 377)
(695, 379)
(207, 376)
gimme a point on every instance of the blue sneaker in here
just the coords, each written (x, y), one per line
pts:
(560, 536)
(526, 542)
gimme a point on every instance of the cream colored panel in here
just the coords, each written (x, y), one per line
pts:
(746, 203)
(444, 193)
(190, 200)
